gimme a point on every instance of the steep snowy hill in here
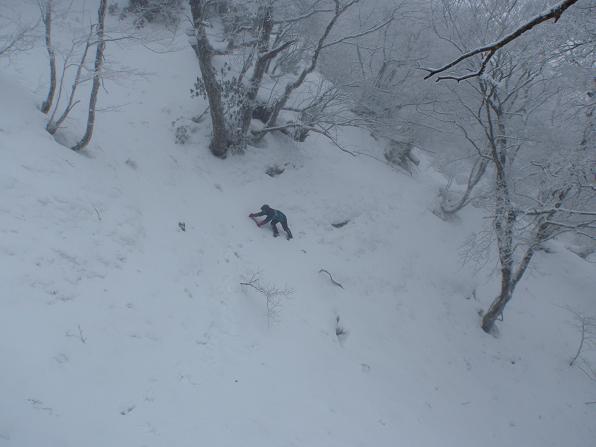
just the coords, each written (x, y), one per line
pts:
(118, 328)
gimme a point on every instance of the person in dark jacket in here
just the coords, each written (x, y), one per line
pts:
(275, 217)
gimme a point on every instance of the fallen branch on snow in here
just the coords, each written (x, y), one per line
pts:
(331, 278)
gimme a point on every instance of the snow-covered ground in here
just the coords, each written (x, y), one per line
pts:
(117, 328)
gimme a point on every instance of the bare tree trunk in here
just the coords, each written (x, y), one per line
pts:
(504, 228)
(588, 132)
(504, 220)
(498, 305)
(47, 20)
(101, 44)
(265, 56)
(266, 26)
(504, 215)
(220, 140)
(281, 102)
(509, 277)
(52, 125)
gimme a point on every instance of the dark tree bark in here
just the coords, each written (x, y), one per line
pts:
(220, 140)
(248, 105)
(282, 101)
(505, 216)
(54, 125)
(47, 20)
(101, 44)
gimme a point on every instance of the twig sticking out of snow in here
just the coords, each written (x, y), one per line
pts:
(331, 278)
(98, 213)
(340, 331)
(80, 336)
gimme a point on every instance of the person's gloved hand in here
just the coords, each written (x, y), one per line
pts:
(251, 215)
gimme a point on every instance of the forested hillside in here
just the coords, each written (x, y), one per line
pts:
(429, 168)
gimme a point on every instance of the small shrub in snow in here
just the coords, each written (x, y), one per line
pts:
(184, 128)
(182, 135)
(272, 296)
(341, 332)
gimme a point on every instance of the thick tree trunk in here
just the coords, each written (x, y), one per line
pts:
(505, 217)
(504, 220)
(498, 305)
(101, 44)
(220, 140)
(510, 277)
(47, 20)
(259, 70)
(504, 228)
(509, 280)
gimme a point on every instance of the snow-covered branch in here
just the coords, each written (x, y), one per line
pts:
(561, 210)
(554, 12)
(314, 129)
(19, 37)
(304, 16)
(366, 32)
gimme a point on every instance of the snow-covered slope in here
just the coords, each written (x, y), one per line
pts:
(117, 328)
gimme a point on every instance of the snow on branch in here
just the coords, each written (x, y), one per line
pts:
(561, 210)
(370, 30)
(275, 51)
(554, 11)
(303, 16)
(21, 39)
(315, 129)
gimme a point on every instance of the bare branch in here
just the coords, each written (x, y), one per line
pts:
(331, 278)
(275, 51)
(562, 210)
(554, 11)
(321, 131)
(52, 125)
(272, 296)
(21, 39)
(302, 17)
(370, 30)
